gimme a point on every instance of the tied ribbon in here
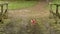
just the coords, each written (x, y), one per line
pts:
(33, 21)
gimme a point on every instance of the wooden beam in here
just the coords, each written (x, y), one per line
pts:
(3, 4)
(57, 10)
(6, 8)
(1, 9)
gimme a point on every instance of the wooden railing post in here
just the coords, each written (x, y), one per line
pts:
(1, 9)
(3, 14)
(57, 13)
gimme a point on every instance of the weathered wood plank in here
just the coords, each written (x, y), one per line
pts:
(3, 4)
(54, 4)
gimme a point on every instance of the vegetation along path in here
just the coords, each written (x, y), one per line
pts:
(21, 17)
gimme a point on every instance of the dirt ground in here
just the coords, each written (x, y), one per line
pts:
(38, 10)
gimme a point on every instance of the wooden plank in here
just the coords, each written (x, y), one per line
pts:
(54, 4)
(1, 9)
(6, 8)
(3, 4)
(1, 14)
(57, 10)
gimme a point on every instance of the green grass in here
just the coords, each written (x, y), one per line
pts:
(21, 4)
